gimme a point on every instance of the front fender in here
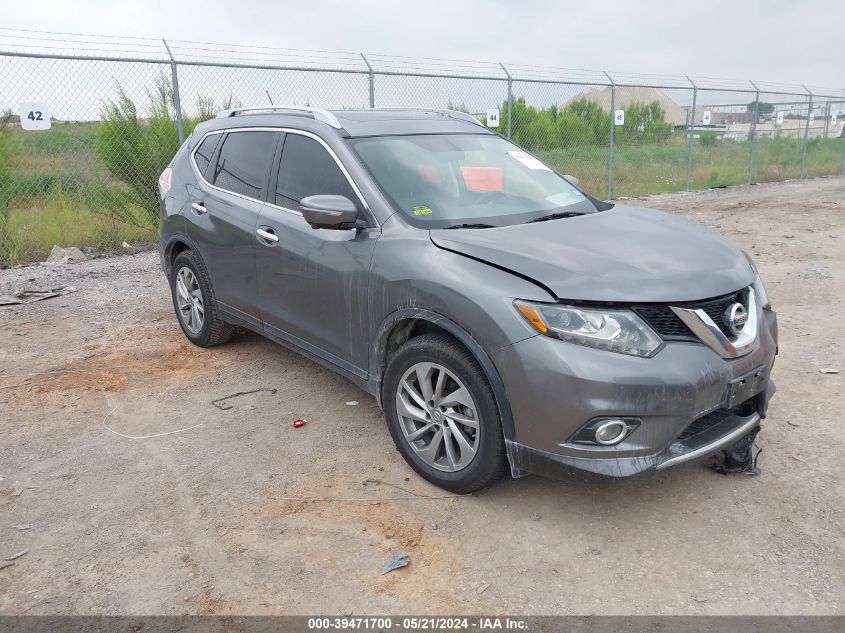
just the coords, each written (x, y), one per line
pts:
(473, 301)
(378, 357)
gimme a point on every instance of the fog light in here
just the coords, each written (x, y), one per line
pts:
(611, 432)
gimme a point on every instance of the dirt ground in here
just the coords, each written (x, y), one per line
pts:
(244, 514)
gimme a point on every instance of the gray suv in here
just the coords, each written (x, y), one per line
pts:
(501, 316)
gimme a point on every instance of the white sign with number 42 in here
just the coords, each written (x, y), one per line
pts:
(34, 116)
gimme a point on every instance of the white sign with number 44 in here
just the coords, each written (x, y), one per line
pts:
(34, 116)
(493, 118)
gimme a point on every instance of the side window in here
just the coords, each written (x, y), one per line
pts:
(205, 151)
(242, 163)
(307, 169)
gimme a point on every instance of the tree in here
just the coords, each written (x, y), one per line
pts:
(136, 150)
(762, 107)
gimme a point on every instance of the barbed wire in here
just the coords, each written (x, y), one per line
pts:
(23, 41)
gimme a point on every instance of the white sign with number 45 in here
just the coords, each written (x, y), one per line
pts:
(34, 116)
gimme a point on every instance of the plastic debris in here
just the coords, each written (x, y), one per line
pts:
(739, 458)
(23, 526)
(482, 588)
(299, 422)
(224, 405)
(828, 370)
(352, 403)
(395, 562)
(18, 555)
(15, 296)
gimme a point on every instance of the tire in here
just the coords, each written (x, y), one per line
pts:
(471, 451)
(209, 330)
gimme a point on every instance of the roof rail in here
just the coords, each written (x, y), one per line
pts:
(319, 114)
(455, 114)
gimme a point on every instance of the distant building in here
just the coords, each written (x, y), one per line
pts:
(626, 95)
(729, 118)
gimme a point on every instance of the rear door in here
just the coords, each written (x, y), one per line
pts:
(313, 282)
(224, 211)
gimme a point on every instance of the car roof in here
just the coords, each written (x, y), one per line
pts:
(353, 123)
(387, 122)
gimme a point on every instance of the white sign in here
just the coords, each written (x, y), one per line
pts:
(812, 117)
(780, 118)
(705, 118)
(528, 160)
(34, 116)
(619, 117)
(493, 118)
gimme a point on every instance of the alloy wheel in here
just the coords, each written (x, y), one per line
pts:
(438, 416)
(189, 300)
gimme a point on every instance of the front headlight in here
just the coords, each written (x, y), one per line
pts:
(619, 331)
(760, 294)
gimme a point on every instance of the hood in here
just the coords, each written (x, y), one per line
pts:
(627, 254)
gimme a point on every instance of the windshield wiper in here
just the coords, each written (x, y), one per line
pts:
(555, 216)
(471, 226)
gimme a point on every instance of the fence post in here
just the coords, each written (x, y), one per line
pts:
(372, 82)
(841, 169)
(177, 103)
(612, 135)
(753, 131)
(806, 132)
(510, 100)
(826, 119)
(690, 128)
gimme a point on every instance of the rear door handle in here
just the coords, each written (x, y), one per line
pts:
(267, 235)
(199, 208)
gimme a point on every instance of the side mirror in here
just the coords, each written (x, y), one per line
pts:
(572, 180)
(329, 212)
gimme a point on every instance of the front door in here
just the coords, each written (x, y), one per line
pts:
(313, 282)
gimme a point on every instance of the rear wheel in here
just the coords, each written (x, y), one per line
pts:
(194, 302)
(443, 415)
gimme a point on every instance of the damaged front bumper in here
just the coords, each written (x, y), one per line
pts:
(688, 402)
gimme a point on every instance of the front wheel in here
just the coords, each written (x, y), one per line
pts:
(442, 414)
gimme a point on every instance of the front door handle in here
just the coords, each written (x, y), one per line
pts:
(268, 235)
(199, 208)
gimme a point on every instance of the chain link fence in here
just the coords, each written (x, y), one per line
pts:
(118, 111)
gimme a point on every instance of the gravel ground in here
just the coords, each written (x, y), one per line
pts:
(243, 514)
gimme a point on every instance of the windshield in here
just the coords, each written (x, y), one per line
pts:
(446, 180)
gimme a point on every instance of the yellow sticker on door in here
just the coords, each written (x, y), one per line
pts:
(422, 210)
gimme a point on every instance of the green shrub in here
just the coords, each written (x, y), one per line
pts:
(5, 179)
(645, 124)
(583, 123)
(708, 138)
(137, 151)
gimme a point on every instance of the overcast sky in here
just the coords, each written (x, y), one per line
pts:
(796, 41)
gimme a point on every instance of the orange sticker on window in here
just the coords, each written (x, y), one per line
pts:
(483, 178)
